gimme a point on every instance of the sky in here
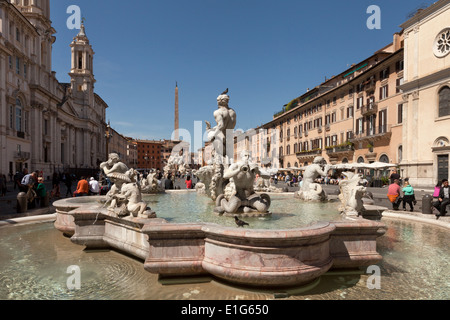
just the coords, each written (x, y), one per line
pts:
(266, 52)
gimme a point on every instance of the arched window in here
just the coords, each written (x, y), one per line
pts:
(444, 102)
(296, 165)
(345, 160)
(400, 154)
(360, 160)
(288, 150)
(384, 158)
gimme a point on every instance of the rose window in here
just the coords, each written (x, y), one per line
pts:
(442, 44)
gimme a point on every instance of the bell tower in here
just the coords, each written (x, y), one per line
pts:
(82, 70)
(38, 13)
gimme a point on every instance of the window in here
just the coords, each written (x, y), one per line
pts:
(384, 159)
(359, 126)
(18, 118)
(10, 62)
(11, 117)
(350, 112)
(382, 121)
(399, 65)
(384, 92)
(359, 102)
(384, 74)
(444, 102)
(17, 65)
(399, 83)
(400, 114)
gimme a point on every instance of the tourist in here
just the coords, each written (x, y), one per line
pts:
(94, 187)
(82, 188)
(168, 183)
(56, 191)
(394, 176)
(68, 182)
(408, 196)
(188, 182)
(394, 194)
(41, 192)
(27, 185)
(444, 199)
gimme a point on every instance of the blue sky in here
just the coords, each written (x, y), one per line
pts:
(266, 52)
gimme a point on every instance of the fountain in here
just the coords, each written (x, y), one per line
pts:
(263, 257)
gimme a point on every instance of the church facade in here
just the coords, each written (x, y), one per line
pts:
(46, 125)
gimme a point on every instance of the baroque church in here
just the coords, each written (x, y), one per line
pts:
(46, 125)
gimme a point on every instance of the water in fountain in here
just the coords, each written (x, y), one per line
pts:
(34, 261)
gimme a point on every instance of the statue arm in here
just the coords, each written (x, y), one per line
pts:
(231, 172)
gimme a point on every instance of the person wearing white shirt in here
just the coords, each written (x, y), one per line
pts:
(94, 187)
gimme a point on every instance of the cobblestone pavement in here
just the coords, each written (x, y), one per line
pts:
(8, 203)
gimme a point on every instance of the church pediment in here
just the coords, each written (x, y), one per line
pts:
(67, 107)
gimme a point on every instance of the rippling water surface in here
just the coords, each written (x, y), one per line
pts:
(34, 261)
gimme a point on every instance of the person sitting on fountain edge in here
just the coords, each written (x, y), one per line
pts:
(394, 194)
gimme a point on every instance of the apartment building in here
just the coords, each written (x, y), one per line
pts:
(355, 116)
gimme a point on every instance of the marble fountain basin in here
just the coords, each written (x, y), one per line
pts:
(247, 257)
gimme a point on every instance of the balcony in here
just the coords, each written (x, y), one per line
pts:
(345, 148)
(369, 85)
(376, 133)
(309, 153)
(369, 109)
(22, 156)
(327, 127)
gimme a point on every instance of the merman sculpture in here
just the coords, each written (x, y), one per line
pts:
(244, 200)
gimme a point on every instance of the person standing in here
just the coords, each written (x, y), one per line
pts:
(2, 185)
(188, 182)
(68, 182)
(408, 196)
(394, 176)
(168, 182)
(41, 192)
(56, 192)
(444, 199)
(394, 194)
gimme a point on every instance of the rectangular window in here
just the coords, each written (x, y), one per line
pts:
(359, 126)
(25, 69)
(350, 112)
(19, 119)
(17, 65)
(382, 121)
(359, 102)
(10, 62)
(384, 74)
(384, 92)
(399, 65)
(399, 83)
(11, 117)
(400, 114)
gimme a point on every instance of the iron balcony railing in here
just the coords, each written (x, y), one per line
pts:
(373, 132)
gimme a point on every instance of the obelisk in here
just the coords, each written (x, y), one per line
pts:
(177, 120)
